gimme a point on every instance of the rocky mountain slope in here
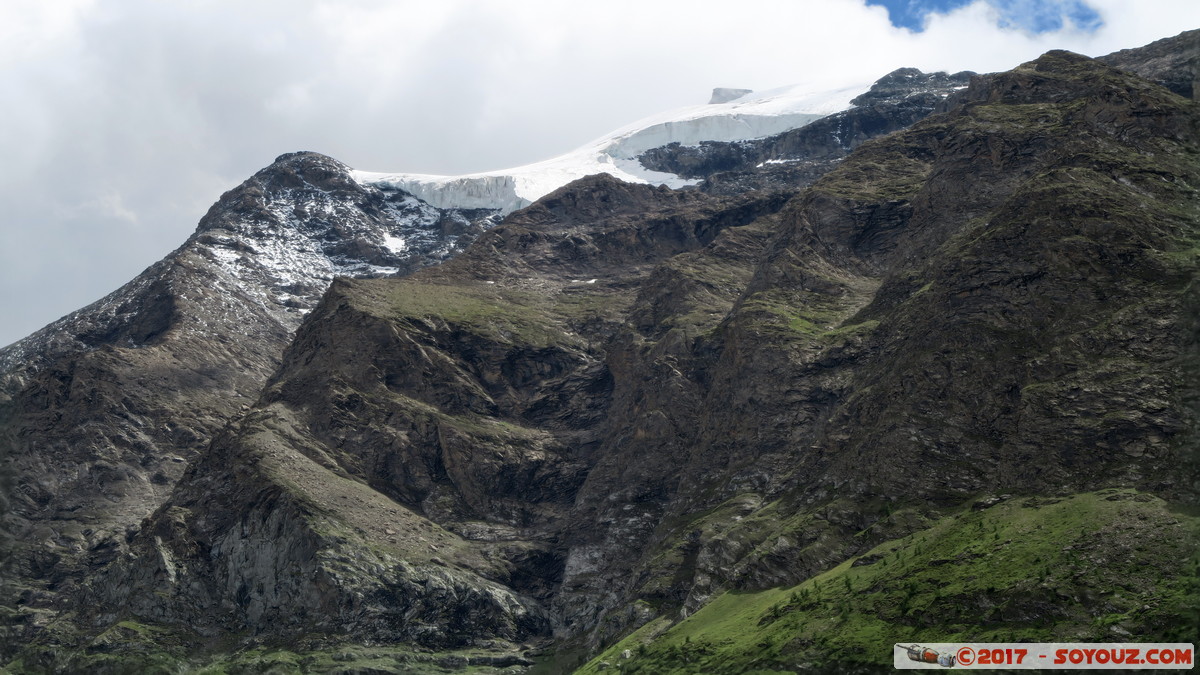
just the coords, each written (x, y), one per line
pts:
(102, 410)
(1172, 62)
(957, 309)
(124, 392)
(970, 346)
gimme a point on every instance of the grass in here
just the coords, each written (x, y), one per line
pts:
(579, 305)
(806, 316)
(1112, 565)
(876, 177)
(502, 315)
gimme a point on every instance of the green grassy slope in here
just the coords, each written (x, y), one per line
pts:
(1111, 565)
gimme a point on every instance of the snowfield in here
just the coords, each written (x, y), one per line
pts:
(755, 115)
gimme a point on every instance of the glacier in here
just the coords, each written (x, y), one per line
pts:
(753, 115)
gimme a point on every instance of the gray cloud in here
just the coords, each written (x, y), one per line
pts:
(125, 119)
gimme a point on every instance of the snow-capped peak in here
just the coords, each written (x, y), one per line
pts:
(754, 115)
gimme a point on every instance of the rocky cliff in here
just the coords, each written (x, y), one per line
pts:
(1172, 62)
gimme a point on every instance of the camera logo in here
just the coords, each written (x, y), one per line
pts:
(927, 655)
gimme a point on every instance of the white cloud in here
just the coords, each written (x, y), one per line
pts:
(31, 28)
(146, 111)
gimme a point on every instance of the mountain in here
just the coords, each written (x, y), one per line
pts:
(128, 390)
(102, 410)
(930, 378)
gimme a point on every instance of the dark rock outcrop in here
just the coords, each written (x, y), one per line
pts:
(1172, 62)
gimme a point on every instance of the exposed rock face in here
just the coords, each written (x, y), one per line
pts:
(463, 417)
(265, 538)
(903, 84)
(623, 401)
(1172, 62)
(103, 409)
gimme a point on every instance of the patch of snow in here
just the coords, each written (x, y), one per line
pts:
(288, 261)
(775, 161)
(394, 244)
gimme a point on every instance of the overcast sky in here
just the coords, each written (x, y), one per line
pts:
(125, 119)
